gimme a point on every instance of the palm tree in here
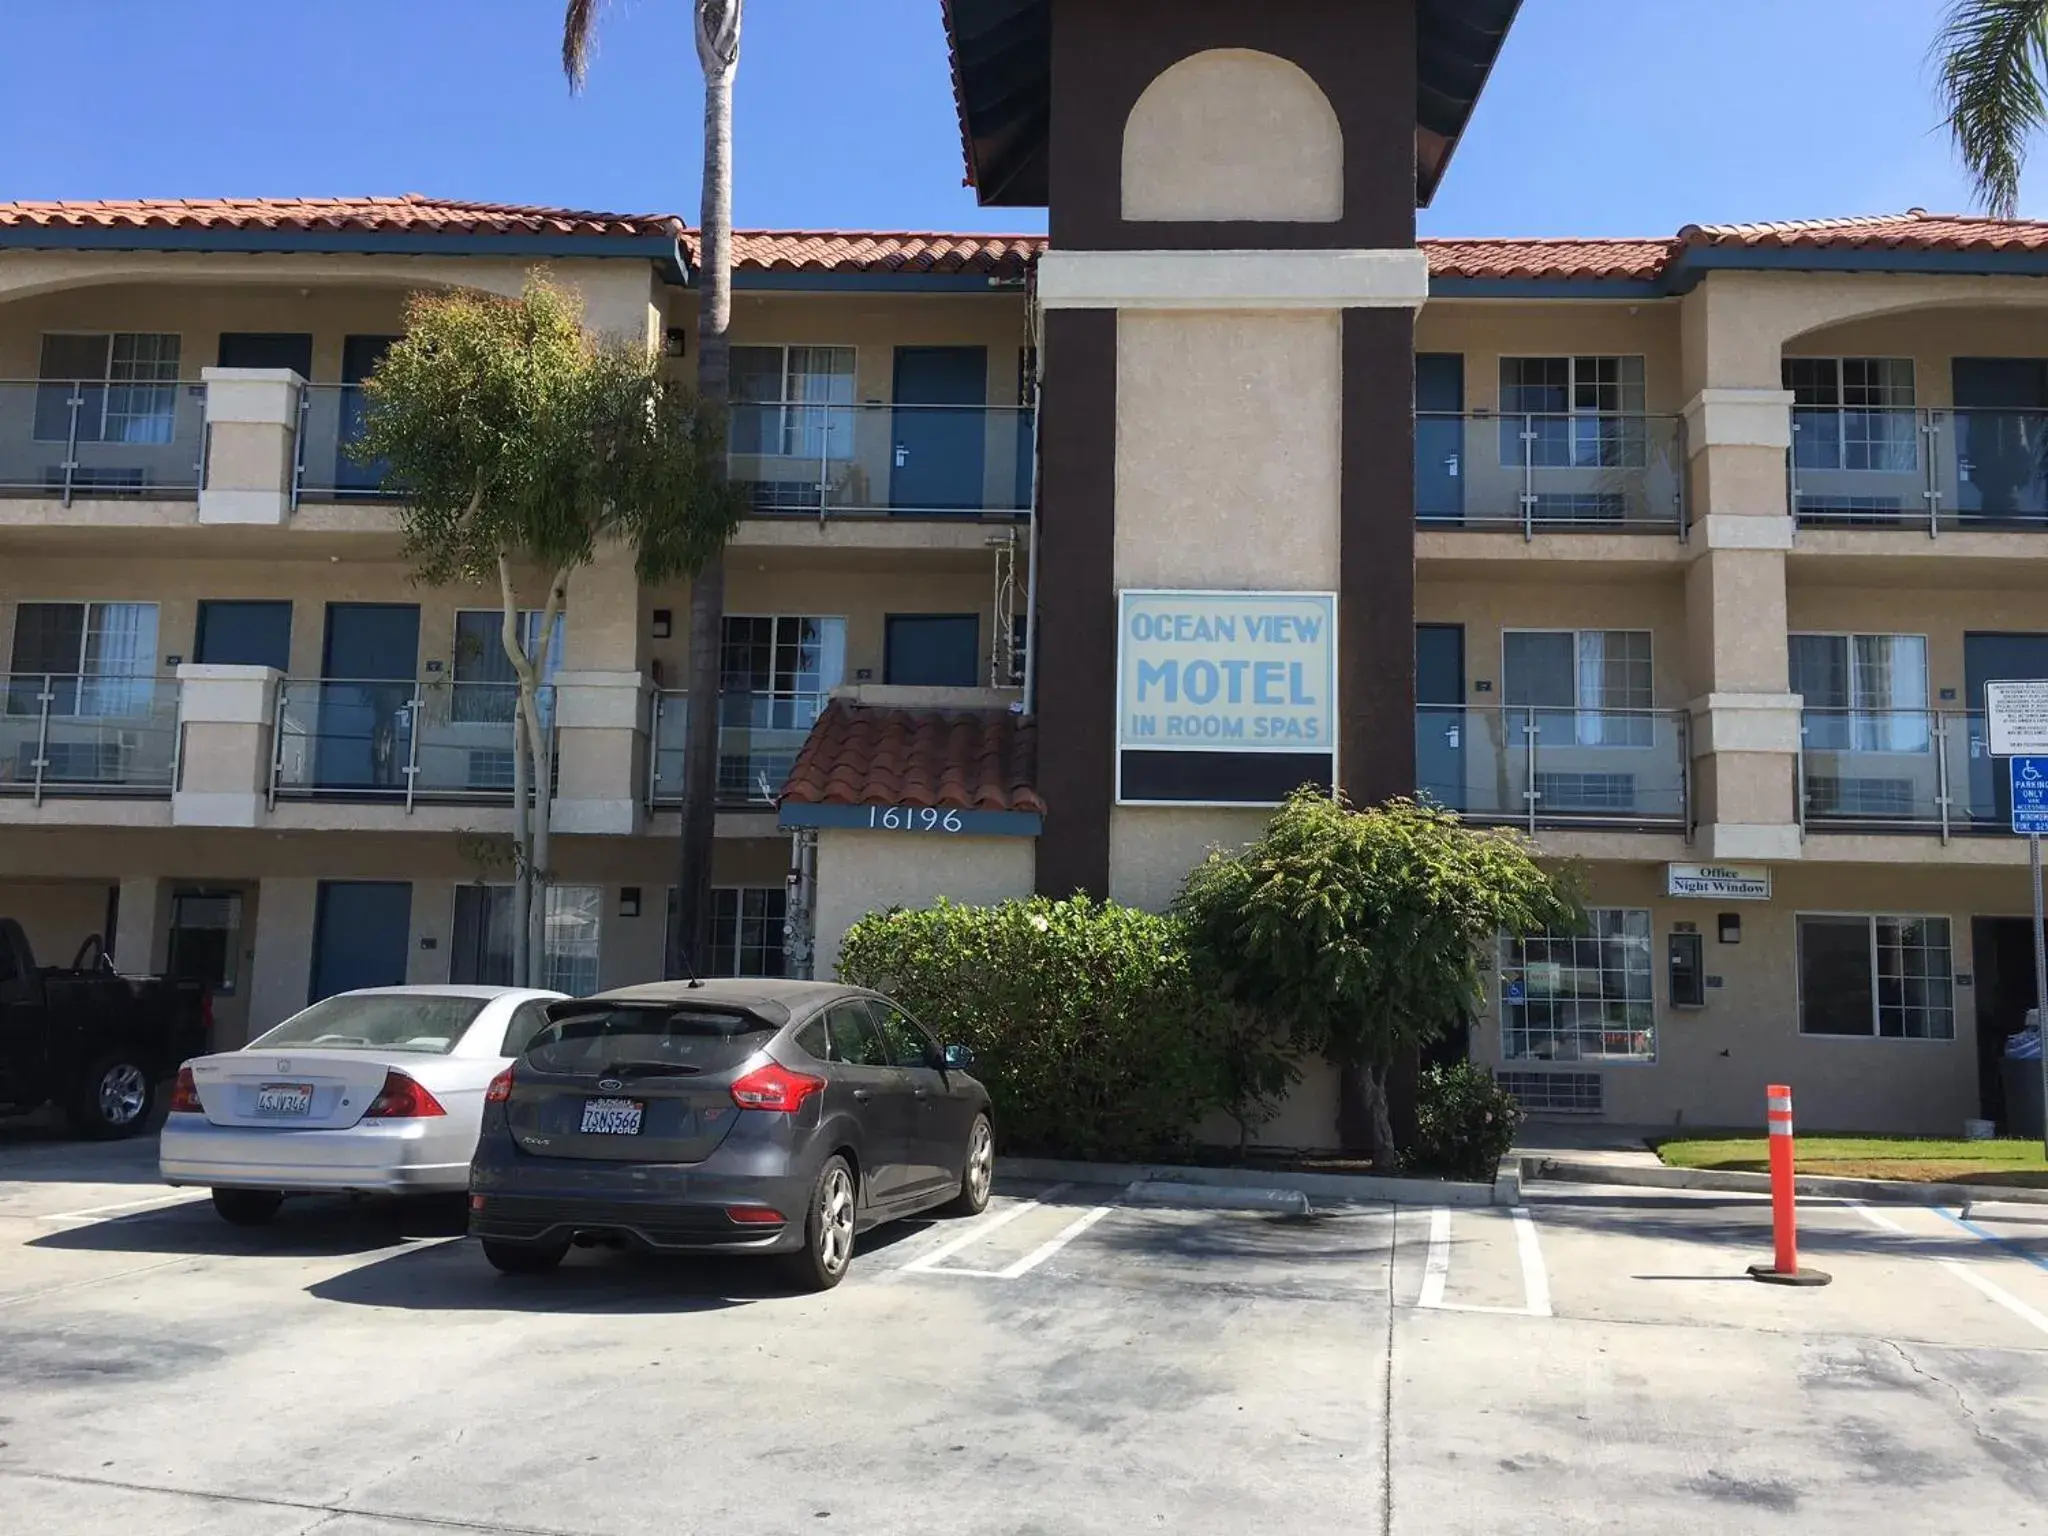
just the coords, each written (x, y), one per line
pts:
(1993, 56)
(718, 50)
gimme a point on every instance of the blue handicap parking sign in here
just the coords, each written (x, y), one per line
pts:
(2030, 795)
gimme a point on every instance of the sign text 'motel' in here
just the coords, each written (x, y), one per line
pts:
(1227, 671)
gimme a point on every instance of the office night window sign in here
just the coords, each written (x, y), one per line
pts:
(1225, 698)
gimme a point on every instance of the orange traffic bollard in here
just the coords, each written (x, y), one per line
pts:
(1784, 1268)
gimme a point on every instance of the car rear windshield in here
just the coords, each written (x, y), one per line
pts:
(393, 1022)
(686, 1041)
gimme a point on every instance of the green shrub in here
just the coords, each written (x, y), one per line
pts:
(1465, 1122)
(1096, 1031)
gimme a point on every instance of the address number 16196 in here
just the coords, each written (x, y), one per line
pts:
(909, 818)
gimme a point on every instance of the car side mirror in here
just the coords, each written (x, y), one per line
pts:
(959, 1058)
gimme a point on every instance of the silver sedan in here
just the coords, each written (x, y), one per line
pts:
(372, 1092)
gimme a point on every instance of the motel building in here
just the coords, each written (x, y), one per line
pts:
(1690, 556)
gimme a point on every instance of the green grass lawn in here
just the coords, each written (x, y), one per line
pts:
(1924, 1160)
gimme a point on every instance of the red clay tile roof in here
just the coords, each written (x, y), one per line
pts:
(803, 250)
(1638, 259)
(1915, 229)
(947, 759)
(412, 212)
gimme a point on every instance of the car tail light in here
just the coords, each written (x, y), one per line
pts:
(775, 1088)
(185, 1095)
(402, 1099)
(206, 1015)
(754, 1216)
(500, 1089)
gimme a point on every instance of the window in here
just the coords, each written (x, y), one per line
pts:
(812, 1042)
(793, 401)
(1853, 413)
(909, 1045)
(125, 384)
(1863, 693)
(777, 673)
(1592, 687)
(101, 658)
(854, 1039)
(486, 689)
(746, 929)
(1580, 997)
(941, 650)
(1577, 412)
(1888, 977)
(484, 931)
(528, 1020)
(206, 939)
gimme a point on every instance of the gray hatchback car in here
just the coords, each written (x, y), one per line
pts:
(742, 1116)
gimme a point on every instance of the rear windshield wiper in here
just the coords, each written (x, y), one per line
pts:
(649, 1069)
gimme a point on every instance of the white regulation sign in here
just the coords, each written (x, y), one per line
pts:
(2016, 717)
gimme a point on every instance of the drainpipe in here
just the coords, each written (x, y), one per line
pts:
(1035, 321)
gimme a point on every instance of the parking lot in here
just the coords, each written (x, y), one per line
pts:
(1594, 1361)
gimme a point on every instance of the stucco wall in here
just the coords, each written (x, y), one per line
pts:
(863, 872)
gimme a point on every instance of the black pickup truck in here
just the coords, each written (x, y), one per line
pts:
(92, 1042)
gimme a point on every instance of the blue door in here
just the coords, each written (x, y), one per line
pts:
(1440, 714)
(932, 650)
(362, 931)
(1439, 437)
(369, 664)
(2001, 437)
(245, 634)
(1994, 658)
(268, 349)
(360, 356)
(938, 429)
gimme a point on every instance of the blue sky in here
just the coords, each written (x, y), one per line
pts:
(1604, 116)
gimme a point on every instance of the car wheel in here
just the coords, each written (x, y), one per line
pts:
(827, 1252)
(978, 1175)
(523, 1258)
(114, 1098)
(246, 1207)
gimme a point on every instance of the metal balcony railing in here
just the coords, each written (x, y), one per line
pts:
(1899, 770)
(1589, 471)
(758, 741)
(95, 438)
(396, 739)
(1536, 767)
(822, 461)
(331, 418)
(1919, 468)
(65, 735)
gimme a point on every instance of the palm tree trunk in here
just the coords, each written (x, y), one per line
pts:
(718, 39)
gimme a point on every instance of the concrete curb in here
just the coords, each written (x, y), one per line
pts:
(1218, 1197)
(1363, 1187)
(1819, 1186)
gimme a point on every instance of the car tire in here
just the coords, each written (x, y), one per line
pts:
(829, 1223)
(246, 1207)
(523, 1258)
(978, 1171)
(115, 1097)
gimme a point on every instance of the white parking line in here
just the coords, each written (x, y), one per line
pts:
(1055, 1243)
(933, 1263)
(1436, 1269)
(1535, 1279)
(974, 1234)
(174, 1197)
(1967, 1273)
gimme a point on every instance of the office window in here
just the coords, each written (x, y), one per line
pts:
(1852, 413)
(777, 671)
(1887, 977)
(485, 926)
(1576, 412)
(746, 929)
(1588, 686)
(1580, 997)
(486, 688)
(126, 382)
(793, 401)
(1863, 693)
(101, 656)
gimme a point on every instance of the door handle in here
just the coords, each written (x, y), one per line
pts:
(862, 1095)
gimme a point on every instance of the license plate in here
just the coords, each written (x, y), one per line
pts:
(284, 1099)
(611, 1117)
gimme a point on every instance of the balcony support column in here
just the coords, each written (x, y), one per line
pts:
(252, 425)
(227, 717)
(602, 720)
(141, 933)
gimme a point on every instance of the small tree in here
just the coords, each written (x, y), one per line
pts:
(1365, 933)
(521, 442)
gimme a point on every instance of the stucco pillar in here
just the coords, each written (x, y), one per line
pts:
(602, 724)
(252, 419)
(141, 937)
(226, 716)
(282, 972)
(1745, 721)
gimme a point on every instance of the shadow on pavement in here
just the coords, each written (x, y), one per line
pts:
(312, 1227)
(41, 1149)
(455, 1277)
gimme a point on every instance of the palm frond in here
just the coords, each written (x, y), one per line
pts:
(579, 39)
(1993, 55)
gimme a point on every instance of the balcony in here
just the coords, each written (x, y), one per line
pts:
(758, 740)
(1586, 472)
(1916, 468)
(855, 461)
(395, 741)
(330, 419)
(66, 736)
(1533, 767)
(93, 439)
(1899, 770)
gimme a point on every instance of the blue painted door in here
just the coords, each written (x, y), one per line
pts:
(360, 356)
(268, 349)
(932, 650)
(1440, 713)
(369, 664)
(1991, 658)
(362, 931)
(938, 429)
(2001, 437)
(244, 634)
(1439, 437)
